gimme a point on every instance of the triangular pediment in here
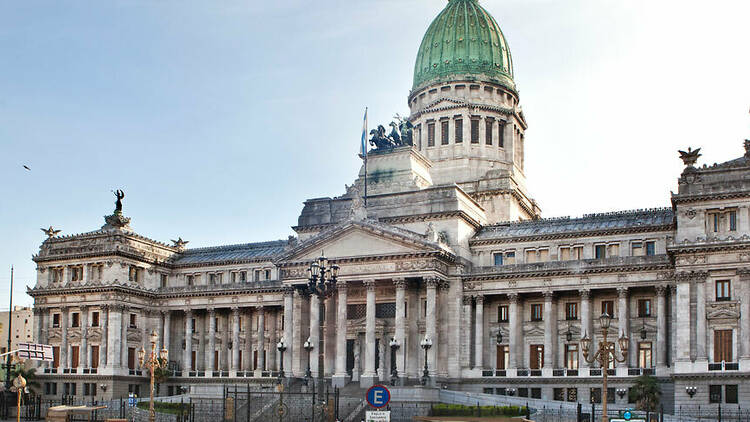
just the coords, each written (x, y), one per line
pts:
(360, 238)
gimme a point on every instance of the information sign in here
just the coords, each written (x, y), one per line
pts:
(378, 416)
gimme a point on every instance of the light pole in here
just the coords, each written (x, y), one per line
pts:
(151, 363)
(321, 278)
(281, 347)
(394, 371)
(308, 346)
(691, 390)
(605, 355)
(425, 344)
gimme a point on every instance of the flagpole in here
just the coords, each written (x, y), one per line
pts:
(10, 326)
(364, 154)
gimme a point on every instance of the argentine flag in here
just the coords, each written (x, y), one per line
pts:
(363, 146)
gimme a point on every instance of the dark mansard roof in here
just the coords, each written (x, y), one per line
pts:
(657, 218)
(232, 253)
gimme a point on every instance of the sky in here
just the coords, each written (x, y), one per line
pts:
(218, 119)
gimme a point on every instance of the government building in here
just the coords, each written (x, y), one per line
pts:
(448, 249)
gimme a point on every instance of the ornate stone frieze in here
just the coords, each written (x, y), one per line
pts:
(722, 310)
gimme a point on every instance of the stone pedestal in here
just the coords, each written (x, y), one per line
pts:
(397, 170)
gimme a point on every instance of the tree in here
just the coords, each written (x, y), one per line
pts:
(161, 374)
(646, 393)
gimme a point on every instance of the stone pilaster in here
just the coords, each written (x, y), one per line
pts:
(315, 334)
(288, 329)
(235, 338)
(431, 285)
(340, 376)
(211, 364)
(369, 376)
(622, 320)
(550, 323)
(586, 329)
(479, 332)
(187, 357)
(744, 275)
(701, 334)
(400, 330)
(513, 334)
(661, 328)
(167, 330)
(103, 342)
(261, 338)
(64, 352)
(124, 342)
(83, 353)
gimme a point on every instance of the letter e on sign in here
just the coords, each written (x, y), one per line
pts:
(378, 396)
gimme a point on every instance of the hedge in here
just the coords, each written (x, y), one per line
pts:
(461, 410)
(163, 407)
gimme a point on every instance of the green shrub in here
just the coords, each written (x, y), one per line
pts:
(162, 407)
(441, 409)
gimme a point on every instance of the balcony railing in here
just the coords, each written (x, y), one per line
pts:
(535, 372)
(724, 366)
(522, 372)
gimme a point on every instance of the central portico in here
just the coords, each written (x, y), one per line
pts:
(389, 286)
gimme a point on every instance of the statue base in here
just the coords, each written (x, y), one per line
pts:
(116, 221)
(401, 169)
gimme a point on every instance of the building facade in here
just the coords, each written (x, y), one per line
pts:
(450, 247)
(21, 327)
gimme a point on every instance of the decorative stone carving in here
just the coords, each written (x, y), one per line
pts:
(467, 300)
(723, 310)
(479, 299)
(622, 292)
(399, 283)
(369, 285)
(513, 297)
(585, 294)
(661, 289)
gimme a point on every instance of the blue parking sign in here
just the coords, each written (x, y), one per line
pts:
(378, 396)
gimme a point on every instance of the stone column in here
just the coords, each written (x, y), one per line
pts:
(466, 333)
(672, 322)
(329, 336)
(64, 352)
(261, 338)
(160, 331)
(124, 342)
(431, 324)
(288, 329)
(145, 333)
(340, 376)
(744, 275)
(187, 358)
(585, 324)
(247, 357)
(272, 340)
(167, 330)
(235, 338)
(83, 358)
(661, 327)
(211, 347)
(701, 338)
(400, 331)
(479, 327)
(622, 317)
(38, 315)
(369, 376)
(104, 310)
(550, 322)
(513, 337)
(314, 334)
(682, 324)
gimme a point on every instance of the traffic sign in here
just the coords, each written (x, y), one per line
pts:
(378, 416)
(627, 415)
(378, 396)
(626, 420)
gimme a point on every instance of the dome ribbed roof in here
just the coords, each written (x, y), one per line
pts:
(463, 40)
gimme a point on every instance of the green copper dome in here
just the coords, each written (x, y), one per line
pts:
(463, 40)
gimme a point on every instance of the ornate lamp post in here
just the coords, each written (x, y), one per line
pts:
(621, 392)
(425, 344)
(308, 346)
(394, 371)
(322, 277)
(605, 355)
(691, 390)
(151, 363)
(281, 347)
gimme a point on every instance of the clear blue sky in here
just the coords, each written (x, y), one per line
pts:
(219, 118)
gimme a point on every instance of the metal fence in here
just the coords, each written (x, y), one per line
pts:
(248, 405)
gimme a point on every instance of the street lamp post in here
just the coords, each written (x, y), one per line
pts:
(321, 277)
(605, 355)
(308, 346)
(281, 347)
(394, 370)
(151, 363)
(426, 343)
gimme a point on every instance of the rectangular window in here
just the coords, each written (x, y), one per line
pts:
(722, 346)
(536, 393)
(95, 319)
(732, 227)
(536, 356)
(636, 249)
(571, 311)
(564, 253)
(644, 308)
(131, 357)
(501, 136)
(503, 356)
(444, 132)
(730, 394)
(596, 395)
(55, 320)
(536, 312)
(530, 256)
(715, 222)
(600, 251)
(489, 127)
(498, 258)
(723, 290)
(714, 394)
(543, 255)
(268, 274)
(571, 356)
(644, 355)
(192, 325)
(190, 280)
(74, 357)
(243, 276)
(212, 278)
(419, 137)
(163, 281)
(576, 252)
(430, 134)
(650, 248)
(502, 313)
(474, 131)
(94, 357)
(55, 356)
(608, 307)
(510, 258)
(133, 273)
(133, 321)
(257, 275)
(613, 250)
(75, 320)
(459, 130)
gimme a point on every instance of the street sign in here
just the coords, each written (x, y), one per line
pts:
(35, 351)
(378, 396)
(378, 416)
(627, 415)
(131, 400)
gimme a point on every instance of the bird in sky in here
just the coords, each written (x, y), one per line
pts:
(26, 167)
